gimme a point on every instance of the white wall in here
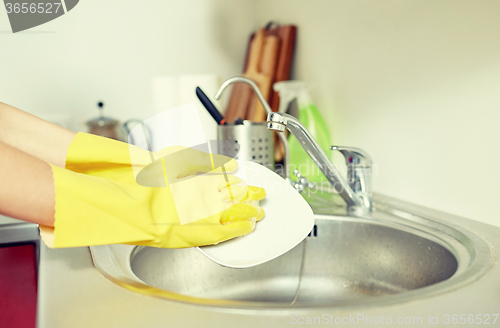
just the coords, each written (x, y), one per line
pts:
(110, 50)
(415, 83)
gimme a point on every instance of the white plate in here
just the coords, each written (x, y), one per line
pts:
(288, 220)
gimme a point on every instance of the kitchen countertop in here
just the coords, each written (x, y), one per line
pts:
(14, 232)
(72, 293)
(7, 220)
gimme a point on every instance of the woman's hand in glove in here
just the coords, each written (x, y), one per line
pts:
(94, 211)
(167, 205)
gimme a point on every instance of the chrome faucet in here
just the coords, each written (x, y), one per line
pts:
(356, 192)
(228, 82)
(359, 172)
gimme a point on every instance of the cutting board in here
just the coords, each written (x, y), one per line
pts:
(241, 100)
(243, 103)
(266, 70)
(287, 35)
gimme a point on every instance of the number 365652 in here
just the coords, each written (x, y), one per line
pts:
(33, 8)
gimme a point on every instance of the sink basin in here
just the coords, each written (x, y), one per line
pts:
(392, 256)
(347, 259)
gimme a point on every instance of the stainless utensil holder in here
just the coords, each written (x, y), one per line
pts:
(248, 141)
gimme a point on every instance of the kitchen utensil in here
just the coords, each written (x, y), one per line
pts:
(287, 35)
(267, 69)
(242, 98)
(256, 112)
(210, 106)
(248, 141)
(288, 220)
(238, 102)
(268, 66)
(105, 126)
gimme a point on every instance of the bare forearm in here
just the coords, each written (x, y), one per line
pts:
(27, 187)
(30, 134)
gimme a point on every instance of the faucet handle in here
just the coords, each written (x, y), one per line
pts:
(354, 156)
(359, 172)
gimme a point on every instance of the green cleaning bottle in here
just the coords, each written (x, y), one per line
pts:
(310, 117)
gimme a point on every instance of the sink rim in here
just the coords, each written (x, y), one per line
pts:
(475, 257)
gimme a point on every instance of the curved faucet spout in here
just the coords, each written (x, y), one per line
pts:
(253, 85)
(278, 122)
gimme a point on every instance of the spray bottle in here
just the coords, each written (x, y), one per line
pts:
(310, 117)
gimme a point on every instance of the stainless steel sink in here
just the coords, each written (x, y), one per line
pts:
(348, 259)
(392, 256)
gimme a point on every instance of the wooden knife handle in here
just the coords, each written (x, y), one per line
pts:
(255, 52)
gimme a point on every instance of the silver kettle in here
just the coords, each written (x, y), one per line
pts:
(110, 127)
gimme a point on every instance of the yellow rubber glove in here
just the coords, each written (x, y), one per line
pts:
(119, 161)
(96, 211)
(118, 210)
(102, 157)
(116, 160)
